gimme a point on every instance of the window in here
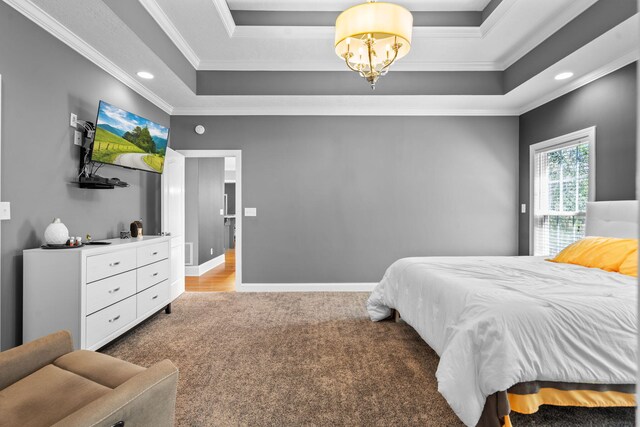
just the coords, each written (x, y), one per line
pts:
(562, 181)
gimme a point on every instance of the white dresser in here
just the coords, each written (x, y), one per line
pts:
(97, 292)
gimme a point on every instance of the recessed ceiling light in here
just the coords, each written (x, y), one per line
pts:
(564, 76)
(145, 75)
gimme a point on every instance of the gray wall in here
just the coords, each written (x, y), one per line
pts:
(211, 223)
(230, 191)
(340, 198)
(347, 83)
(43, 80)
(608, 103)
(204, 182)
(191, 213)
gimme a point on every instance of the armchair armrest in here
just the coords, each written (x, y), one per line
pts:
(147, 399)
(24, 360)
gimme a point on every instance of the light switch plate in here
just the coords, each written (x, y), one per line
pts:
(5, 210)
(221, 211)
(523, 208)
(250, 212)
(73, 120)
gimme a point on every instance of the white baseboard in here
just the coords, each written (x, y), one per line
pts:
(307, 287)
(199, 270)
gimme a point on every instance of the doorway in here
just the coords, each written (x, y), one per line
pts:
(220, 270)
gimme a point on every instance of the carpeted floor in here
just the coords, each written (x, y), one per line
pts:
(303, 359)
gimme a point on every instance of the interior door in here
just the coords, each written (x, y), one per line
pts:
(173, 217)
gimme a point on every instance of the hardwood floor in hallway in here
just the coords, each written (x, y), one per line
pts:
(220, 279)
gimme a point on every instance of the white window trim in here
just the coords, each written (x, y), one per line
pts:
(558, 143)
(0, 199)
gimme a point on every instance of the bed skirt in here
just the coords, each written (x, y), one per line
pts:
(526, 398)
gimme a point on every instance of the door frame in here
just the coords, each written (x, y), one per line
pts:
(176, 239)
(238, 155)
(0, 199)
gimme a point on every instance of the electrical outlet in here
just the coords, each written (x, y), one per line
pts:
(77, 138)
(5, 210)
(73, 120)
(523, 208)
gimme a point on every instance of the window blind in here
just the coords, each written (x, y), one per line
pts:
(561, 191)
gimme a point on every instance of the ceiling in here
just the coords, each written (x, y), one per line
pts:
(180, 42)
(513, 28)
(333, 5)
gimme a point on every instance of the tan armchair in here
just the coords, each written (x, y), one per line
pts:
(45, 382)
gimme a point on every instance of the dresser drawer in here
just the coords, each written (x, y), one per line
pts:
(153, 298)
(110, 264)
(103, 293)
(151, 274)
(152, 253)
(108, 320)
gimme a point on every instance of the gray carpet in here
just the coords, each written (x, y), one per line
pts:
(305, 359)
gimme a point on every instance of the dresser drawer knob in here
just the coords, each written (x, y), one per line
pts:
(155, 253)
(114, 290)
(114, 264)
(155, 296)
(114, 319)
(154, 274)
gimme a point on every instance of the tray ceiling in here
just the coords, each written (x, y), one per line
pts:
(196, 30)
(208, 30)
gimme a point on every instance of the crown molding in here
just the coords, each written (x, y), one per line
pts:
(225, 14)
(546, 31)
(161, 18)
(405, 105)
(334, 5)
(306, 65)
(427, 33)
(447, 66)
(622, 61)
(249, 111)
(55, 28)
(496, 16)
(327, 33)
(275, 32)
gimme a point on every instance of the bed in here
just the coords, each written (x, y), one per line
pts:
(514, 333)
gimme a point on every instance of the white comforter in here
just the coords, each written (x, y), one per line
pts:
(499, 321)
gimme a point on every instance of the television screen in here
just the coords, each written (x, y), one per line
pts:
(125, 139)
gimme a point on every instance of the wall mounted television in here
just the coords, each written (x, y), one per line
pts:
(128, 140)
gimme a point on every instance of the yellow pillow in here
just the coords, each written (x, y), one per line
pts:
(606, 253)
(630, 264)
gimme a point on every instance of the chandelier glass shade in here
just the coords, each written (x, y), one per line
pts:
(370, 37)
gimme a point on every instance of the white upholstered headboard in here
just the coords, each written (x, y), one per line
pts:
(613, 219)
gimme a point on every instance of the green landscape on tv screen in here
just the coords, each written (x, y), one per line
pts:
(128, 140)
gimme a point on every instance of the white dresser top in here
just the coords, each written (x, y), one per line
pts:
(116, 244)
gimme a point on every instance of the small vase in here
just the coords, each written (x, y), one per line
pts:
(56, 233)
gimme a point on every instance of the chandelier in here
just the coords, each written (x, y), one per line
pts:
(372, 36)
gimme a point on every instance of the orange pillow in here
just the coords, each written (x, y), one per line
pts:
(606, 253)
(630, 264)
